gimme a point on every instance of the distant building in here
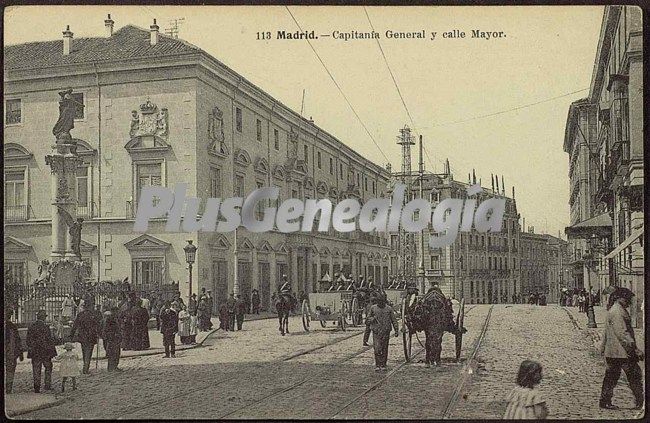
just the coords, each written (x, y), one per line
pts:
(159, 111)
(480, 267)
(605, 141)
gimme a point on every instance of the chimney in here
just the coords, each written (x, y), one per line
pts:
(513, 192)
(503, 186)
(108, 24)
(154, 33)
(492, 176)
(67, 40)
(474, 176)
(496, 177)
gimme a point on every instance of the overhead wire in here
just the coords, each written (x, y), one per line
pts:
(339, 88)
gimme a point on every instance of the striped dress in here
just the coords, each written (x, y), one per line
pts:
(521, 403)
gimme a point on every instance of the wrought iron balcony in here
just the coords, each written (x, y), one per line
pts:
(87, 211)
(16, 213)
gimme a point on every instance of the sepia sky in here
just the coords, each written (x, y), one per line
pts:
(448, 85)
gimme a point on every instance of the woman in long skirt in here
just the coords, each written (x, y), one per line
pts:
(184, 325)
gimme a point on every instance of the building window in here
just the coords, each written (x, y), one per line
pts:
(374, 187)
(147, 273)
(79, 112)
(148, 175)
(318, 157)
(14, 188)
(238, 119)
(331, 166)
(394, 241)
(435, 262)
(306, 150)
(276, 139)
(365, 184)
(82, 186)
(259, 130)
(215, 182)
(239, 186)
(13, 111)
(340, 170)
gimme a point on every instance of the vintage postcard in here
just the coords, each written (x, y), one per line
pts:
(278, 212)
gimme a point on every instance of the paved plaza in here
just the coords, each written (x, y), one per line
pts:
(326, 373)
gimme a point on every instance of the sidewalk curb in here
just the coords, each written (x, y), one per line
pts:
(58, 401)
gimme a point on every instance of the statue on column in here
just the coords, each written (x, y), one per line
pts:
(67, 111)
(74, 229)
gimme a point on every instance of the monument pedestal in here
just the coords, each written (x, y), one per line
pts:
(63, 163)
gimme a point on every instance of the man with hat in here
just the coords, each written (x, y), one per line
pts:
(13, 350)
(85, 330)
(231, 306)
(41, 349)
(620, 350)
(112, 336)
(255, 301)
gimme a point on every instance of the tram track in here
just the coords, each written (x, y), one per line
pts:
(236, 375)
(465, 374)
(377, 384)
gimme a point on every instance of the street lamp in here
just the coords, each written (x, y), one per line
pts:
(190, 258)
(591, 317)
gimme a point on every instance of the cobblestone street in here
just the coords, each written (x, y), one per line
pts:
(256, 373)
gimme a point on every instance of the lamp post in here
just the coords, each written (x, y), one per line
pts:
(591, 317)
(190, 257)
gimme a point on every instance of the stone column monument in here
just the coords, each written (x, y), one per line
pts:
(66, 267)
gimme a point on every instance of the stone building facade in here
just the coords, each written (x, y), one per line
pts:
(159, 111)
(480, 267)
(609, 124)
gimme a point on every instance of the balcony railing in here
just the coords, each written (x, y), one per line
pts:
(87, 211)
(16, 213)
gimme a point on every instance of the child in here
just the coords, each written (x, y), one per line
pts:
(68, 367)
(524, 401)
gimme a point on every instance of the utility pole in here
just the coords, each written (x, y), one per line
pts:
(405, 139)
(421, 174)
(174, 25)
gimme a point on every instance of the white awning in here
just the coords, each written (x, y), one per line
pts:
(623, 245)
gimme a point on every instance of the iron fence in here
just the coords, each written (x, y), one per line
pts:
(26, 302)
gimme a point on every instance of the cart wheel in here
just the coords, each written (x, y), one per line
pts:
(407, 335)
(460, 318)
(355, 312)
(323, 323)
(342, 315)
(306, 315)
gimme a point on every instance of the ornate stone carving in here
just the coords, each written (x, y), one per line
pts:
(215, 133)
(293, 144)
(150, 121)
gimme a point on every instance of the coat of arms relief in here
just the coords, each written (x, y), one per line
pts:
(150, 121)
(215, 133)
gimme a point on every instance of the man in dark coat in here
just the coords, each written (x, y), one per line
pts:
(85, 330)
(41, 349)
(231, 306)
(13, 350)
(126, 324)
(168, 328)
(140, 331)
(210, 301)
(240, 311)
(192, 305)
(112, 336)
(381, 318)
(255, 301)
(224, 323)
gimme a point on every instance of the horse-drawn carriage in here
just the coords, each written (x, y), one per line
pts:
(329, 306)
(433, 314)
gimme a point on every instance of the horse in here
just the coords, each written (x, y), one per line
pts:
(284, 303)
(433, 315)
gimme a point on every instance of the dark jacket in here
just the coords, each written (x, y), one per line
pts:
(85, 328)
(381, 320)
(111, 329)
(13, 344)
(168, 322)
(240, 307)
(40, 343)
